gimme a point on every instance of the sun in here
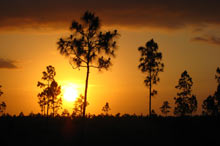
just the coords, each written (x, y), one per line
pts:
(69, 93)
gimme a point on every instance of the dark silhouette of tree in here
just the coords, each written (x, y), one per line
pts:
(117, 115)
(78, 106)
(186, 103)
(211, 105)
(42, 97)
(31, 114)
(88, 47)
(106, 108)
(217, 93)
(150, 63)
(153, 113)
(56, 100)
(165, 108)
(48, 98)
(21, 114)
(3, 104)
(1, 90)
(217, 76)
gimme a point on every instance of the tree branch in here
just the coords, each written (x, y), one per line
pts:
(75, 54)
(94, 66)
(77, 66)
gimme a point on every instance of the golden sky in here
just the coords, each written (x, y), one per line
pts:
(187, 34)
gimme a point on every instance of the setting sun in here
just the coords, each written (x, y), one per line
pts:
(70, 93)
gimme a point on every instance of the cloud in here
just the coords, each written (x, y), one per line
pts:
(197, 30)
(207, 39)
(7, 64)
(168, 14)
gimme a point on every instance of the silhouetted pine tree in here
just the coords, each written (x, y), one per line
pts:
(3, 104)
(106, 108)
(211, 105)
(186, 103)
(165, 108)
(49, 97)
(78, 106)
(88, 46)
(151, 65)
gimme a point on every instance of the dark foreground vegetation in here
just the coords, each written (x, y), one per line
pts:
(109, 130)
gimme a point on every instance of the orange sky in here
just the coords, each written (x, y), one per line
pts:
(186, 46)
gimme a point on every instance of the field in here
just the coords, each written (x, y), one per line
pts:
(109, 130)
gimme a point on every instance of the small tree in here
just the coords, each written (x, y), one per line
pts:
(48, 98)
(42, 97)
(165, 108)
(21, 114)
(150, 63)
(186, 103)
(3, 104)
(88, 47)
(56, 100)
(106, 108)
(153, 113)
(217, 93)
(211, 105)
(78, 106)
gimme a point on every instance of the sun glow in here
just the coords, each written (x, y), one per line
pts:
(70, 92)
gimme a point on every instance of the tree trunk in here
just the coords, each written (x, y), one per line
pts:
(53, 106)
(86, 88)
(48, 98)
(47, 109)
(150, 97)
(44, 110)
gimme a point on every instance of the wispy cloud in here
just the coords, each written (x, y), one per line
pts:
(168, 14)
(7, 64)
(207, 39)
(196, 30)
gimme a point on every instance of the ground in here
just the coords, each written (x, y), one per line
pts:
(109, 130)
